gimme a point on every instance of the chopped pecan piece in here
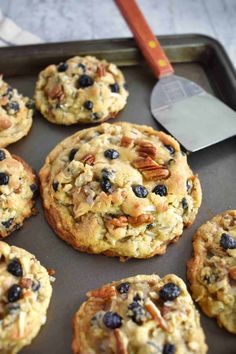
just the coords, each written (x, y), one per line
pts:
(145, 148)
(5, 123)
(88, 159)
(125, 141)
(121, 221)
(104, 293)
(101, 70)
(54, 90)
(232, 273)
(51, 271)
(150, 169)
(141, 219)
(121, 347)
(156, 315)
(26, 283)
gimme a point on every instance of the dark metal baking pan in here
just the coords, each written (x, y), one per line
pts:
(198, 58)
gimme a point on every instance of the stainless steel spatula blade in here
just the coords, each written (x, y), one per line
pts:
(190, 114)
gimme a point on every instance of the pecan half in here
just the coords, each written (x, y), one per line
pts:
(150, 169)
(51, 271)
(141, 219)
(145, 148)
(88, 159)
(121, 221)
(54, 90)
(103, 293)
(232, 273)
(125, 141)
(101, 70)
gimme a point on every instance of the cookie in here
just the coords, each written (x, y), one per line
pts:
(119, 189)
(16, 114)
(25, 293)
(80, 90)
(212, 270)
(18, 187)
(143, 314)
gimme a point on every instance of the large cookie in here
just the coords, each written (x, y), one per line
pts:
(81, 90)
(25, 292)
(144, 314)
(17, 191)
(212, 270)
(122, 189)
(15, 114)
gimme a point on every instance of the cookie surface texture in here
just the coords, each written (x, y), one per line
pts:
(120, 189)
(16, 114)
(212, 270)
(25, 292)
(80, 90)
(18, 187)
(144, 314)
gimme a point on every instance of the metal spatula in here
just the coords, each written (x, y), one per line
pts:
(194, 117)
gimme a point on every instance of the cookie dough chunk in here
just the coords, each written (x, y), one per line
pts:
(17, 190)
(16, 114)
(25, 292)
(120, 189)
(212, 270)
(144, 314)
(81, 90)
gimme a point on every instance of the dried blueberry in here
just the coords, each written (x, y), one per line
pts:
(150, 226)
(106, 185)
(85, 81)
(15, 268)
(88, 105)
(4, 178)
(9, 92)
(7, 223)
(14, 106)
(105, 173)
(30, 104)
(169, 292)
(168, 348)
(160, 190)
(170, 149)
(72, 154)
(184, 203)
(138, 313)
(115, 88)
(2, 155)
(14, 293)
(95, 116)
(227, 242)
(112, 320)
(140, 191)
(137, 297)
(123, 288)
(62, 67)
(111, 154)
(125, 86)
(34, 189)
(35, 285)
(55, 186)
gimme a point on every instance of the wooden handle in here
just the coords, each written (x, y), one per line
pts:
(146, 40)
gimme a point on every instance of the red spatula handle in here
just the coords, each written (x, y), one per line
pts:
(146, 40)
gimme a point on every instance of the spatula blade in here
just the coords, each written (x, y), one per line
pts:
(194, 117)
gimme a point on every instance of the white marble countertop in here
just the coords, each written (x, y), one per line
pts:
(60, 20)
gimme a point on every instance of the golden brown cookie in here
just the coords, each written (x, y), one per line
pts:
(81, 90)
(122, 189)
(144, 314)
(25, 292)
(18, 187)
(212, 270)
(16, 114)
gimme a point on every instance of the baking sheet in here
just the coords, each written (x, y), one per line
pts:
(77, 272)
